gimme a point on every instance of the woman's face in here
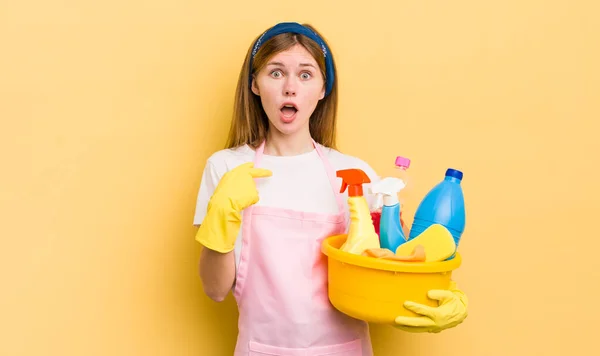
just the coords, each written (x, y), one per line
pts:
(290, 86)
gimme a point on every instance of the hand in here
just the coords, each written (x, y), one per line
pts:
(235, 192)
(237, 189)
(450, 312)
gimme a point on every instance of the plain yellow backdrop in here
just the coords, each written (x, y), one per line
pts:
(110, 109)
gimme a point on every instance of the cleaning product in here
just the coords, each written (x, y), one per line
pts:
(361, 234)
(400, 166)
(391, 234)
(438, 243)
(444, 204)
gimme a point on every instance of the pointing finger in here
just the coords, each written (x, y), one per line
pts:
(260, 172)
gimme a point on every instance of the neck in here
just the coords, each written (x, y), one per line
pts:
(278, 144)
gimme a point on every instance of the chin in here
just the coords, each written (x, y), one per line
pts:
(289, 127)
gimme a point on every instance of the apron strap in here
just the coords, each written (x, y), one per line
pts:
(328, 168)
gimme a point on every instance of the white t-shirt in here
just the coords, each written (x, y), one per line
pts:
(298, 182)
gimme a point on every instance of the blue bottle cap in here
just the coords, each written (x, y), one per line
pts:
(454, 173)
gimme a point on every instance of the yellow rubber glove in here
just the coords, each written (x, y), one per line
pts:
(450, 312)
(235, 192)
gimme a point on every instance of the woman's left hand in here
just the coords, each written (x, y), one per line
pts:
(450, 312)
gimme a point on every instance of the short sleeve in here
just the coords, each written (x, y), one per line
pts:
(208, 184)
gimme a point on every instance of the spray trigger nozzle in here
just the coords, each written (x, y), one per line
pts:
(389, 188)
(353, 179)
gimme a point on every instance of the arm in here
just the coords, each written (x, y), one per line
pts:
(217, 272)
(216, 269)
(218, 212)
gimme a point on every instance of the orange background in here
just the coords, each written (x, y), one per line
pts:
(109, 110)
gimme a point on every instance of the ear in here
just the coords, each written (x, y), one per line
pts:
(322, 93)
(255, 87)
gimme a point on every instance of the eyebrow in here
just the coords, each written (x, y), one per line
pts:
(283, 65)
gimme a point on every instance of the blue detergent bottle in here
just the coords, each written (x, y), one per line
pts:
(444, 204)
(391, 234)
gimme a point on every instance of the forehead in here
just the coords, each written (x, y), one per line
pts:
(294, 56)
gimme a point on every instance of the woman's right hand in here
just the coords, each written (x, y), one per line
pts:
(235, 192)
(237, 187)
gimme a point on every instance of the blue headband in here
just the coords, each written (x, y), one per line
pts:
(293, 27)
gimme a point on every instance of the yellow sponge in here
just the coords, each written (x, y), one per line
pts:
(437, 241)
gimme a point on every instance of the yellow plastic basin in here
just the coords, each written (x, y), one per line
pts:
(375, 290)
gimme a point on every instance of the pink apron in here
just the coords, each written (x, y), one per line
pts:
(281, 284)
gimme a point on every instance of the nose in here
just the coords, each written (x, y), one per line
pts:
(290, 87)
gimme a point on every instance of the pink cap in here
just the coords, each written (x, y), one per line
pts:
(402, 162)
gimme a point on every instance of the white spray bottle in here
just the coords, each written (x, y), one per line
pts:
(391, 234)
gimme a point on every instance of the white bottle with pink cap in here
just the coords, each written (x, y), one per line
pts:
(402, 164)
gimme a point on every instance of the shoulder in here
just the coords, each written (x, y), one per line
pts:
(341, 160)
(222, 161)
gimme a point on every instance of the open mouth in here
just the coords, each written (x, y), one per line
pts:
(289, 110)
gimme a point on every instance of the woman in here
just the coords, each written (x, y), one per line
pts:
(281, 148)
